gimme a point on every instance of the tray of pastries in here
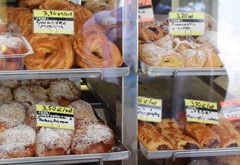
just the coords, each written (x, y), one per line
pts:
(163, 54)
(176, 138)
(22, 141)
(92, 48)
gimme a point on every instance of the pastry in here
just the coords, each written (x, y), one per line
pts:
(105, 19)
(160, 57)
(92, 138)
(97, 5)
(94, 50)
(150, 31)
(83, 113)
(5, 94)
(227, 160)
(11, 114)
(81, 14)
(204, 135)
(194, 57)
(63, 92)
(10, 83)
(30, 94)
(170, 129)
(17, 142)
(50, 52)
(165, 42)
(31, 114)
(53, 141)
(236, 124)
(30, 3)
(45, 83)
(151, 139)
(228, 135)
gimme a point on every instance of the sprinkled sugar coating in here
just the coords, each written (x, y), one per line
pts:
(11, 114)
(53, 142)
(63, 92)
(93, 138)
(13, 42)
(17, 142)
(5, 94)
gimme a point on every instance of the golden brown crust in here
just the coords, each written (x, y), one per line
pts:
(229, 136)
(151, 139)
(30, 3)
(205, 136)
(94, 50)
(150, 31)
(50, 52)
(170, 129)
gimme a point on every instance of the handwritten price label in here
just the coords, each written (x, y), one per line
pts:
(145, 11)
(149, 109)
(187, 23)
(231, 109)
(56, 117)
(53, 21)
(201, 111)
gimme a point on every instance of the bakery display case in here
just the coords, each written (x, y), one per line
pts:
(188, 93)
(50, 50)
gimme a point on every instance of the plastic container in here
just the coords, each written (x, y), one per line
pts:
(13, 61)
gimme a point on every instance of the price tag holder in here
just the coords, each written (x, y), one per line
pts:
(55, 117)
(201, 111)
(145, 11)
(231, 109)
(149, 109)
(53, 21)
(187, 23)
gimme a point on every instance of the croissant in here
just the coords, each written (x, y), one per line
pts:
(50, 52)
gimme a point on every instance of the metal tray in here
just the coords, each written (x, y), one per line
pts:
(121, 153)
(162, 71)
(65, 73)
(173, 154)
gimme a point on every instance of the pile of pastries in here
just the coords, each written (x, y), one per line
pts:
(21, 137)
(172, 135)
(89, 47)
(160, 49)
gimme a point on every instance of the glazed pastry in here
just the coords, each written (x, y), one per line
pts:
(50, 52)
(63, 92)
(92, 138)
(53, 141)
(150, 31)
(205, 136)
(94, 50)
(228, 135)
(81, 14)
(17, 142)
(165, 42)
(151, 139)
(30, 94)
(5, 94)
(160, 57)
(170, 129)
(11, 114)
(31, 114)
(30, 3)
(96, 5)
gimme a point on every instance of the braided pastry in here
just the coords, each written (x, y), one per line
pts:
(94, 50)
(81, 14)
(30, 3)
(51, 52)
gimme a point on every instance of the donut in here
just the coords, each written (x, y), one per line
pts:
(5, 94)
(81, 14)
(11, 114)
(30, 3)
(93, 138)
(94, 50)
(17, 142)
(63, 92)
(83, 113)
(53, 142)
(31, 114)
(29, 95)
(150, 31)
(50, 52)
